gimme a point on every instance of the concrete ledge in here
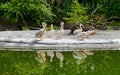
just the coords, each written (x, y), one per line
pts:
(25, 41)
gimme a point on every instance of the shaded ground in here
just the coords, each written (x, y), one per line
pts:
(7, 25)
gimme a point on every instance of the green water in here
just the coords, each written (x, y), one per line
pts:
(24, 63)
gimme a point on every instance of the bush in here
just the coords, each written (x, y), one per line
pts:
(76, 13)
(23, 10)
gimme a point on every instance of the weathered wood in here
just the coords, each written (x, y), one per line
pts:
(25, 41)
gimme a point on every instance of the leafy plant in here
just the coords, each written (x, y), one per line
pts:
(76, 13)
(27, 10)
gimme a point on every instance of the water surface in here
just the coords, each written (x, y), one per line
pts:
(24, 63)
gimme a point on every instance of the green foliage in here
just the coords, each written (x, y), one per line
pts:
(109, 28)
(25, 28)
(71, 11)
(108, 7)
(111, 8)
(76, 13)
(23, 10)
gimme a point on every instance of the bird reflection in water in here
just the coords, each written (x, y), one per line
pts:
(79, 55)
(51, 55)
(60, 56)
(41, 57)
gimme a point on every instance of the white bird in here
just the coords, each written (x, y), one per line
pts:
(40, 34)
(51, 33)
(60, 56)
(41, 56)
(81, 35)
(86, 34)
(61, 31)
(90, 32)
(51, 54)
(78, 30)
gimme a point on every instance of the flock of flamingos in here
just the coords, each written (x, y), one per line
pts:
(79, 33)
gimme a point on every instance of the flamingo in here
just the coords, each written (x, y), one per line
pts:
(78, 30)
(51, 33)
(61, 32)
(40, 34)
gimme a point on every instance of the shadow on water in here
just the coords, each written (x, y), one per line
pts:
(25, 63)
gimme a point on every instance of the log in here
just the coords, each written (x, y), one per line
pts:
(25, 41)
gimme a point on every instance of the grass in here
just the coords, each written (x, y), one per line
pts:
(24, 63)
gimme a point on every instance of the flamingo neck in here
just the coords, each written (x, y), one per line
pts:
(44, 29)
(81, 27)
(62, 27)
(52, 27)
